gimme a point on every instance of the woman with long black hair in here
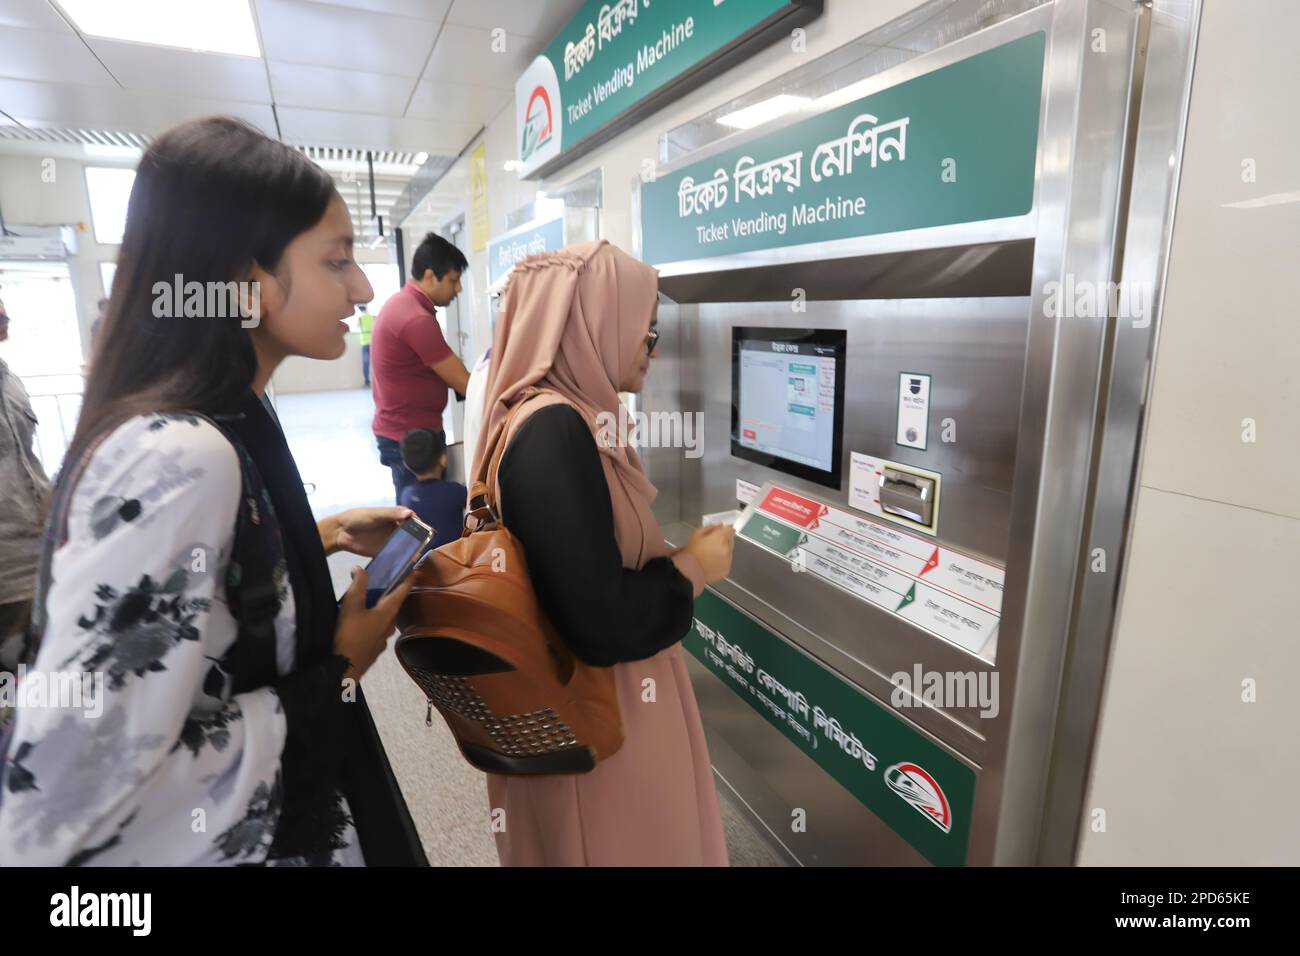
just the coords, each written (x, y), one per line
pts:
(184, 573)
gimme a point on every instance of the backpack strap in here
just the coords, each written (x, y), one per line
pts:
(484, 509)
(251, 590)
(55, 536)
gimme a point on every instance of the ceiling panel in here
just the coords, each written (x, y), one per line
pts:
(160, 70)
(48, 55)
(357, 196)
(319, 87)
(52, 104)
(457, 101)
(423, 9)
(35, 14)
(534, 18)
(299, 31)
(376, 132)
(465, 55)
(339, 72)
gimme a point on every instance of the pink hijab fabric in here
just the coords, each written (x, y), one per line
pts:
(572, 321)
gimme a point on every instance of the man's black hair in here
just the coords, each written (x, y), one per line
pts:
(422, 450)
(438, 254)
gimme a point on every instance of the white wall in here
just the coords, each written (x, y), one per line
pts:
(311, 375)
(1185, 770)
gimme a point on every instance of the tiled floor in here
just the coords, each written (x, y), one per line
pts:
(329, 433)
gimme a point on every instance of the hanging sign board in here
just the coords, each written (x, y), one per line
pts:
(527, 240)
(478, 194)
(38, 242)
(617, 61)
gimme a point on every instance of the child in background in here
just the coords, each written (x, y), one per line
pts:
(438, 503)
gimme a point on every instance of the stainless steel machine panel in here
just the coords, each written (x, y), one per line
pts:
(973, 349)
(1013, 433)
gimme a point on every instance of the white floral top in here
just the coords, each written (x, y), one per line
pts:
(166, 765)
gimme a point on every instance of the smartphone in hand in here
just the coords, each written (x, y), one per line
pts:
(397, 558)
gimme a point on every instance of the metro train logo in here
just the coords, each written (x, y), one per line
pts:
(539, 115)
(922, 793)
(538, 124)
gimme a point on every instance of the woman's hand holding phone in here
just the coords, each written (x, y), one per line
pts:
(362, 633)
(361, 531)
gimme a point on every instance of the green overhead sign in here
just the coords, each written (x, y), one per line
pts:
(920, 790)
(957, 144)
(617, 61)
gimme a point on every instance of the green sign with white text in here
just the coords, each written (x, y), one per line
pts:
(922, 792)
(615, 54)
(957, 144)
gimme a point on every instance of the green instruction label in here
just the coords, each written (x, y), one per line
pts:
(916, 787)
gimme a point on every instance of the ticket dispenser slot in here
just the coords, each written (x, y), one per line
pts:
(907, 495)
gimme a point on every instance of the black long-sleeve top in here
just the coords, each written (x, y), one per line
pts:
(555, 500)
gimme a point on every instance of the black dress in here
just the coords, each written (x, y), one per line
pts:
(555, 500)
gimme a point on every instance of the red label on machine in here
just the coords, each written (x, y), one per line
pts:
(793, 508)
(930, 564)
(865, 556)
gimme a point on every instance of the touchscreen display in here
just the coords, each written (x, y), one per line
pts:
(788, 401)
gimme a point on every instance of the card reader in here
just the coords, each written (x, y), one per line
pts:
(906, 494)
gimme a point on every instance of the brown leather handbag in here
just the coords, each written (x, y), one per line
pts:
(475, 640)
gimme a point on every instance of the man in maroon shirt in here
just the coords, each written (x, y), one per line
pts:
(411, 364)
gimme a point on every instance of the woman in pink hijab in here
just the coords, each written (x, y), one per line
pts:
(576, 329)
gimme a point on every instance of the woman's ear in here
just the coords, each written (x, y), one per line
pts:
(260, 295)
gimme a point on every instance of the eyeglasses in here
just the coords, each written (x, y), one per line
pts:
(651, 340)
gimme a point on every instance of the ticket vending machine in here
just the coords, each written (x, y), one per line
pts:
(862, 310)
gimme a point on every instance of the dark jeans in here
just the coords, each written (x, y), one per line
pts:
(365, 363)
(390, 454)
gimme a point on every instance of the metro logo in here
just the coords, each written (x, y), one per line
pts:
(539, 110)
(538, 123)
(814, 693)
(922, 793)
